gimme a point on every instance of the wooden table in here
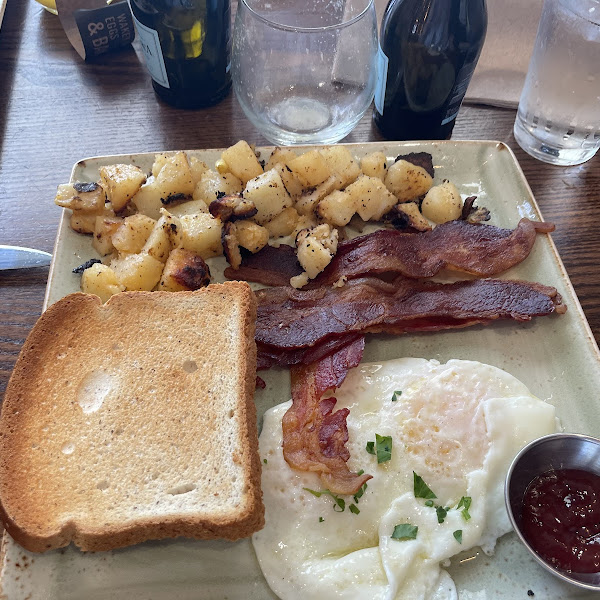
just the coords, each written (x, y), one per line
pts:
(55, 109)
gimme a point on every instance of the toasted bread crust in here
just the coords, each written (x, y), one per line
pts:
(134, 421)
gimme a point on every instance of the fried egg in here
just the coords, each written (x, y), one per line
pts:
(455, 426)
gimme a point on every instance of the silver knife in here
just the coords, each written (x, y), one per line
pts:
(14, 257)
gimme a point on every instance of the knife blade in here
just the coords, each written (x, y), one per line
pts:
(15, 257)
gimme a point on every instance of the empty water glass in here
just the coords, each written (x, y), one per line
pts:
(304, 70)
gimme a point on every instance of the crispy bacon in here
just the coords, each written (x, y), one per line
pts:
(482, 250)
(290, 319)
(314, 437)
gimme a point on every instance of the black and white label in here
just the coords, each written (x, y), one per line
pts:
(150, 43)
(105, 29)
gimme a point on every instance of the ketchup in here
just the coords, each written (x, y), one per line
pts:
(561, 519)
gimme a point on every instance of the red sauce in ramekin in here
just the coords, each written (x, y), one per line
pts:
(561, 519)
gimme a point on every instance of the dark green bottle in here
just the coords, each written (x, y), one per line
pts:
(428, 52)
(186, 44)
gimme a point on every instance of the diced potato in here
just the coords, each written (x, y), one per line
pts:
(83, 222)
(201, 234)
(442, 203)
(340, 161)
(184, 270)
(407, 181)
(337, 208)
(280, 156)
(292, 183)
(222, 167)
(211, 184)
(159, 162)
(197, 168)
(158, 243)
(311, 168)
(121, 183)
(172, 226)
(307, 203)
(414, 218)
(304, 222)
(132, 234)
(316, 248)
(242, 161)
(268, 194)
(148, 200)
(283, 224)
(175, 177)
(101, 280)
(251, 236)
(137, 271)
(371, 196)
(193, 207)
(104, 228)
(374, 165)
(85, 197)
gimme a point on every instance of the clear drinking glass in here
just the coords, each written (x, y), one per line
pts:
(304, 70)
(558, 120)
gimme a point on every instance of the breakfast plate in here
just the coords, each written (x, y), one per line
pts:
(555, 357)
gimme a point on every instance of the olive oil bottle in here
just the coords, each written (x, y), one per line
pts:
(186, 45)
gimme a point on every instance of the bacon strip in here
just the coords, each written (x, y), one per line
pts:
(314, 437)
(291, 319)
(482, 250)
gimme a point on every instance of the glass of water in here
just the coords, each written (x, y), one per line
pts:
(304, 70)
(558, 120)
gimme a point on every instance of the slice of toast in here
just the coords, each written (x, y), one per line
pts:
(133, 421)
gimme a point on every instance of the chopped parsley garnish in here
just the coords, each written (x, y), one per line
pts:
(360, 493)
(405, 531)
(465, 504)
(321, 519)
(265, 460)
(421, 489)
(354, 509)
(383, 445)
(396, 395)
(441, 513)
(361, 472)
(339, 503)
(370, 447)
(458, 535)
(429, 503)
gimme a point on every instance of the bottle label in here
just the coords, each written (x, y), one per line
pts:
(382, 72)
(150, 43)
(462, 82)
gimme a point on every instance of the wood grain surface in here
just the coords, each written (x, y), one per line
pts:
(56, 109)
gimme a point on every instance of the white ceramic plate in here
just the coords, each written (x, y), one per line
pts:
(556, 357)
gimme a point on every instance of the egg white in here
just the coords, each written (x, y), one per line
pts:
(456, 425)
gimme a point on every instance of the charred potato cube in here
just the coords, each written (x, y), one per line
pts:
(231, 246)
(408, 216)
(102, 281)
(158, 244)
(148, 200)
(251, 236)
(316, 247)
(121, 183)
(192, 207)
(268, 194)
(83, 222)
(197, 168)
(175, 177)
(85, 197)
(242, 161)
(292, 183)
(407, 181)
(280, 156)
(232, 208)
(104, 228)
(184, 270)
